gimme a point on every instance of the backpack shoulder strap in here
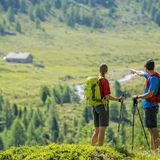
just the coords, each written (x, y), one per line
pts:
(148, 79)
(147, 82)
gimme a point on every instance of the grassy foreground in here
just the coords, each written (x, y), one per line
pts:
(71, 152)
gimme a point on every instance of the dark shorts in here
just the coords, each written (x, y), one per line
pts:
(101, 116)
(150, 117)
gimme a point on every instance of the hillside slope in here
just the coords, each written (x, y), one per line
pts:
(94, 14)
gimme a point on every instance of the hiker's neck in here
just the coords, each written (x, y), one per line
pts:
(102, 75)
(151, 72)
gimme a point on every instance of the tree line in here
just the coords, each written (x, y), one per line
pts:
(31, 126)
(82, 12)
(43, 125)
(70, 12)
(152, 7)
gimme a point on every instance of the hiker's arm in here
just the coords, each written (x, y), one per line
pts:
(152, 88)
(112, 98)
(139, 73)
(149, 94)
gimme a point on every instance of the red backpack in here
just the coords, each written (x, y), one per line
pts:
(154, 99)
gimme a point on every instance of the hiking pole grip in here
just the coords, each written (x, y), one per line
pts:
(135, 103)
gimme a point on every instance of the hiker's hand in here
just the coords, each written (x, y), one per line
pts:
(121, 99)
(135, 100)
(134, 97)
(133, 71)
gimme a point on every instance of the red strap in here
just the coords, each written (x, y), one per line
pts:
(153, 99)
(147, 80)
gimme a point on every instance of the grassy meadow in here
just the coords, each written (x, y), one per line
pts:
(76, 53)
(68, 41)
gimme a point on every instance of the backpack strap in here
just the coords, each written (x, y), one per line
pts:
(152, 99)
(104, 101)
(148, 79)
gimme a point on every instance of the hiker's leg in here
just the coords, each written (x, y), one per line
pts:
(96, 125)
(151, 138)
(151, 123)
(155, 137)
(101, 135)
(152, 127)
(103, 121)
(155, 130)
(95, 136)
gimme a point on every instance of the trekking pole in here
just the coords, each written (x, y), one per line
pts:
(120, 116)
(133, 118)
(143, 128)
(135, 103)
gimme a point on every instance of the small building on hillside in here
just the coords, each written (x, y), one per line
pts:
(14, 57)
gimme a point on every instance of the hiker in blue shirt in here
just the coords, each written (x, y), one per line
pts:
(150, 106)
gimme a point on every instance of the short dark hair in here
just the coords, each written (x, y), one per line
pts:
(149, 64)
(103, 68)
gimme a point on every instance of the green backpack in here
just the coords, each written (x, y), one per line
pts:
(92, 91)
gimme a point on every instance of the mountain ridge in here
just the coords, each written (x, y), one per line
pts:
(91, 13)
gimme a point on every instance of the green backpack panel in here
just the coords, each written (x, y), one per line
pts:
(92, 91)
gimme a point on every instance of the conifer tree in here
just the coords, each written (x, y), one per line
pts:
(40, 13)
(23, 6)
(37, 119)
(58, 4)
(15, 110)
(1, 143)
(53, 125)
(8, 114)
(18, 135)
(31, 135)
(44, 93)
(1, 29)
(18, 27)
(11, 15)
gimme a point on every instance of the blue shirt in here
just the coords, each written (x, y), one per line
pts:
(153, 86)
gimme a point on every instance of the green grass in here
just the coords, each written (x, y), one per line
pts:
(74, 52)
(71, 151)
(54, 151)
